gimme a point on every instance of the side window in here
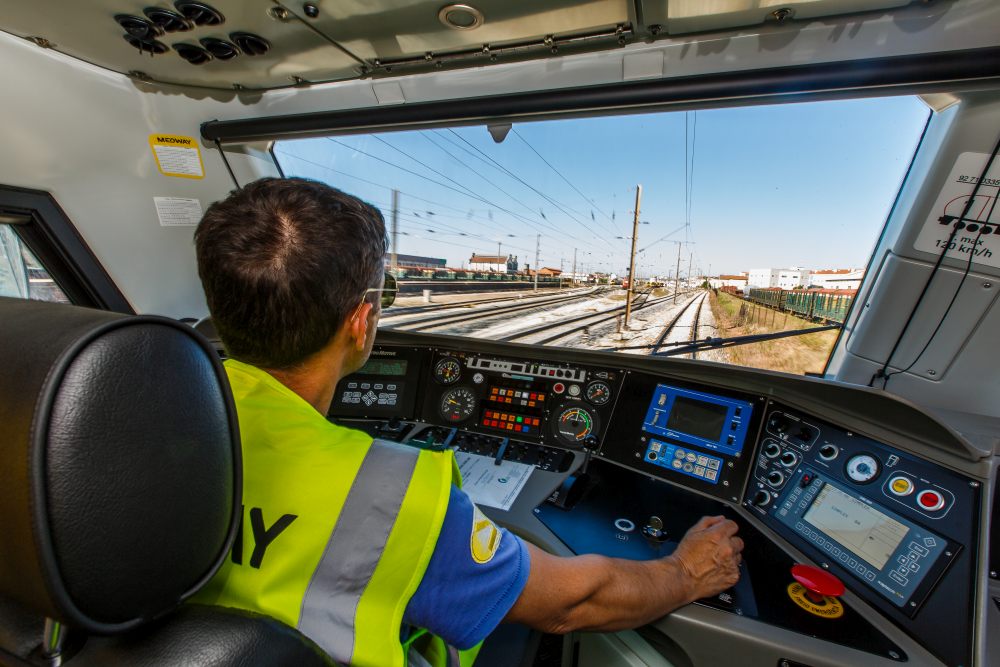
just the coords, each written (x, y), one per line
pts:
(21, 274)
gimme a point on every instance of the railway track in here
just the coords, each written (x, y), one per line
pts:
(578, 324)
(406, 310)
(436, 321)
(696, 302)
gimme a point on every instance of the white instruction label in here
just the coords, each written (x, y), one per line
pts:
(177, 155)
(978, 240)
(177, 211)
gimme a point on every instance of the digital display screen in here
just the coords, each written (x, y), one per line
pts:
(867, 532)
(386, 367)
(698, 418)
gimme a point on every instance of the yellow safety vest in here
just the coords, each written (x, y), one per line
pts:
(337, 529)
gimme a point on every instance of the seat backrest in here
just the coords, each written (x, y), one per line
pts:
(120, 483)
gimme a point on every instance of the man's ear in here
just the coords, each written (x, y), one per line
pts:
(359, 325)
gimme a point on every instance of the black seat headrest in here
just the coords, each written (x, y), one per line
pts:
(120, 456)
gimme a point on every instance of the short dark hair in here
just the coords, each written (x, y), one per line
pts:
(283, 263)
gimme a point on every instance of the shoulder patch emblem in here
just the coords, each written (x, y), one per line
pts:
(485, 538)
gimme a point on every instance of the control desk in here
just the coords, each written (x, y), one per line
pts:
(658, 451)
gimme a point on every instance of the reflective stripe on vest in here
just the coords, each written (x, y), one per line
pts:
(355, 548)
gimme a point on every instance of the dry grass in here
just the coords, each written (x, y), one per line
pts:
(799, 354)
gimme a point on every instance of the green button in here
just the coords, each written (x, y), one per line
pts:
(520, 419)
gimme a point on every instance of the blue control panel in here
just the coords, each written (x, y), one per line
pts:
(697, 418)
(687, 462)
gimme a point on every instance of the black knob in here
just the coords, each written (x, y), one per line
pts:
(789, 459)
(775, 478)
(772, 450)
(828, 452)
(761, 498)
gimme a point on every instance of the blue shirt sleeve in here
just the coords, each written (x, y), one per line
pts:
(474, 577)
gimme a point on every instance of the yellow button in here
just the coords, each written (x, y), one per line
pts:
(901, 486)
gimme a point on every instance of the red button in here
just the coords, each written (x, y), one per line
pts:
(817, 581)
(930, 500)
(559, 387)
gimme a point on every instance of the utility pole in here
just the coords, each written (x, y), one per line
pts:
(499, 245)
(631, 263)
(538, 245)
(393, 258)
(574, 267)
(677, 272)
(690, 259)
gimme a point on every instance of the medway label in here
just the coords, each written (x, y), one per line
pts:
(977, 240)
(177, 155)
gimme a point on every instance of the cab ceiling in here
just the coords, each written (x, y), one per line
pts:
(299, 43)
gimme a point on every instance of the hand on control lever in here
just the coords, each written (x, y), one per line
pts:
(709, 556)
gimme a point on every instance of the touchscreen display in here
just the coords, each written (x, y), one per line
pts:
(698, 418)
(867, 532)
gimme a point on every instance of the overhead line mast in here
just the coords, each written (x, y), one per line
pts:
(631, 264)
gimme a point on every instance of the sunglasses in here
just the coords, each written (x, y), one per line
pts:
(387, 292)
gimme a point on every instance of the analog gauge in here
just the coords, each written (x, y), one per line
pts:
(447, 371)
(458, 404)
(862, 468)
(574, 425)
(598, 392)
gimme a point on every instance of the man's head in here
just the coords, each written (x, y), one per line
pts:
(285, 264)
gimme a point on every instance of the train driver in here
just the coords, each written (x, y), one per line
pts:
(372, 549)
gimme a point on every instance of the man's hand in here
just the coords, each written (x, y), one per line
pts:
(709, 556)
(609, 594)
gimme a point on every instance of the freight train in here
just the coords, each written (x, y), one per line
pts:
(822, 305)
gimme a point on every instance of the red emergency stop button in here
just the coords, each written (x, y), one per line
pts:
(930, 500)
(817, 582)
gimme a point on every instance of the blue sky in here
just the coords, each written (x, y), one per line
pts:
(770, 186)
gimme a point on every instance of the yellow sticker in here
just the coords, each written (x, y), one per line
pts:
(485, 538)
(828, 607)
(177, 155)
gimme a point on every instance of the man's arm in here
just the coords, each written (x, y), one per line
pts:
(608, 594)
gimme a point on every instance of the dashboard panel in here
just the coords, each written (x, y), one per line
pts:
(899, 531)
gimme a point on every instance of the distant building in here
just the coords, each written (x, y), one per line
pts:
(417, 261)
(789, 278)
(793, 278)
(837, 278)
(498, 264)
(738, 281)
(546, 271)
(763, 277)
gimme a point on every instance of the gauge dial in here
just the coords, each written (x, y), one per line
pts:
(458, 404)
(862, 468)
(447, 371)
(574, 425)
(598, 392)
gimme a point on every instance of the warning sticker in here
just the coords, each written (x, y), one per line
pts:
(177, 155)
(177, 211)
(978, 234)
(824, 607)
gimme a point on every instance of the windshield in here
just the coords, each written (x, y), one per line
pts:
(701, 233)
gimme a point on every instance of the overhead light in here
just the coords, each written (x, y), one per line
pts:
(461, 17)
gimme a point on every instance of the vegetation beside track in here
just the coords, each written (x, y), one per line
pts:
(798, 354)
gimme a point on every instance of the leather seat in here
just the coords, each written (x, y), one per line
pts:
(120, 495)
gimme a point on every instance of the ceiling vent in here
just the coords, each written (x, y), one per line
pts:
(138, 27)
(150, 46)
(167, 20)
(199, 13)
(461, 17)
(220, 48)
(250, 44)
(193, 53)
